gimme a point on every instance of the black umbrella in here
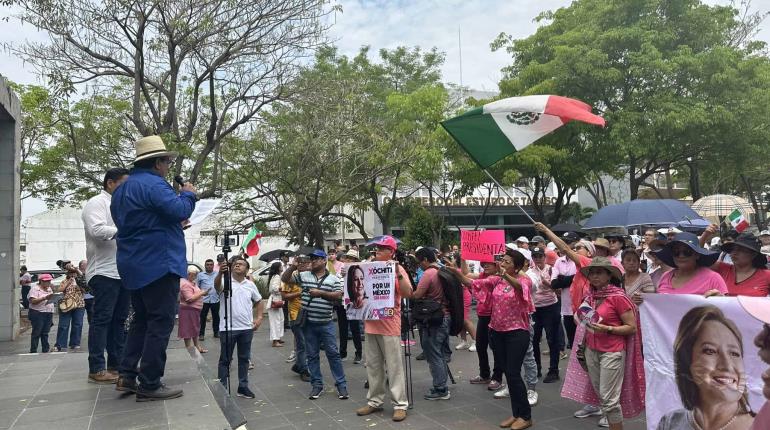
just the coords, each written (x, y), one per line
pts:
(274, 255)
(563, 228)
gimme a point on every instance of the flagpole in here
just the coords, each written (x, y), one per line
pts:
(500, 187)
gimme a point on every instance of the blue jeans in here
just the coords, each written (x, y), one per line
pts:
(154, 310)
(41, 326)
(300, 349)
(315, 334)
(70, 324)
(107, 327)
(242, 338)
(433, 344)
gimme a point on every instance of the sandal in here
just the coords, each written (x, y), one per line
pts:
(203, 350)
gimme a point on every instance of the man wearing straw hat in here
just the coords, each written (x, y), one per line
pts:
(151, 259)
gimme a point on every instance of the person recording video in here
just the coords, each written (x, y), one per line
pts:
(151, 259)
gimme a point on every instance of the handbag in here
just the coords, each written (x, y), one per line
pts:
(302, 314)
(276, 304)
(69, 301)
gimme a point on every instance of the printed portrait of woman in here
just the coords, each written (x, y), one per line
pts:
(359, 307)
(710, 374)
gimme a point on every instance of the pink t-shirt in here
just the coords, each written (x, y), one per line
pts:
(762, 420)
(37, 293)
(483, 293)
(510, 307)
(431, 283)
(186, 290)
(610, 311)
(704, 280)
(756, 285)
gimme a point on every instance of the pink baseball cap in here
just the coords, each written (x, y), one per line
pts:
(387, 241)
(45, 277)
(757, 307)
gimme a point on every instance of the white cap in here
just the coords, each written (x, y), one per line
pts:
(511, 246)
(669, 230)
(551, 246)
(526, 253)
(522, 239)
(764, 233)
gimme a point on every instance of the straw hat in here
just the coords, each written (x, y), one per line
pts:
(604, 263)
(151, 147)
(352, 254)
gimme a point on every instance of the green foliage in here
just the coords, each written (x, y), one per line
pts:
(423, 229)
(662, 72)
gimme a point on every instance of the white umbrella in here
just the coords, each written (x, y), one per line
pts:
(720, 205)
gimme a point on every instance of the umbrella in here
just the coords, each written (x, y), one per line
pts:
(563, 228)
(721, 205)
(641, 212)
(274, 255)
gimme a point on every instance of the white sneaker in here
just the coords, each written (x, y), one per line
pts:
(472, 348)
(532, 397)
(588, 411)
(462, 345)
(603, 422)
(502, 394)
(292, 357)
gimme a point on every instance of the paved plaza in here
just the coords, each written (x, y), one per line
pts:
(52, 389)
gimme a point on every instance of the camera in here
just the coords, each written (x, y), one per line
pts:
(221, 258)
(67, 266)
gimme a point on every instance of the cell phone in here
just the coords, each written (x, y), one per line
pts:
(499, 257)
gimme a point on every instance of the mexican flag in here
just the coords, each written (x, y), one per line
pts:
(490, 133)
(738, 221)
(251, 243)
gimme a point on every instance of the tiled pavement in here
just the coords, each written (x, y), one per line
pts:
(281, 401)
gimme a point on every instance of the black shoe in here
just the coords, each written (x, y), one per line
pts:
(551, 377)
(315, 393)
(216, 335)
(126, 385)
(245, 392)
(342, 393)
(357, 359)
(295, 369)
(161, 393)
(305, 377)
(437, 394)
(366, 385)
(539, 374)
(421, 356)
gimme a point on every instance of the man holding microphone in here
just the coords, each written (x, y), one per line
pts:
(151, 259)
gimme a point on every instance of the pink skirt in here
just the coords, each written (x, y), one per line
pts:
(467, 304)
(189, 322)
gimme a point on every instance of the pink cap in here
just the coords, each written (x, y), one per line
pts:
(45, 277)
(386, 241)
(757, 307)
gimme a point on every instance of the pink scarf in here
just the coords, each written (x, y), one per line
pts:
(577, 384)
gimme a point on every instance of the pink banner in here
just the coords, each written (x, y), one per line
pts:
(481, 245)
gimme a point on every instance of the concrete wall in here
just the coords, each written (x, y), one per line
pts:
(10, 211)
(54, 235)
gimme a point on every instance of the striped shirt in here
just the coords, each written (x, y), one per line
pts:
(319, 310)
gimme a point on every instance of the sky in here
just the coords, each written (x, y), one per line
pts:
(445, 24)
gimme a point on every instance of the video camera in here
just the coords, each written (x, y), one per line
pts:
(67, 266)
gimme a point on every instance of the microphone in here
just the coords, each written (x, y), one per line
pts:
(179, 180)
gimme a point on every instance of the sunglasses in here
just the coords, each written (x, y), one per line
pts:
(578, 247)
(684, 252)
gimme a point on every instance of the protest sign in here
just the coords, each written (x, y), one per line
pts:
(704, 337)
(370, 290)
(481, 245)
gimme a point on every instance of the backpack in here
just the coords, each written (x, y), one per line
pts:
(453, 293)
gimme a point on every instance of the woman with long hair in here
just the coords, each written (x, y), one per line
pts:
(275, 304)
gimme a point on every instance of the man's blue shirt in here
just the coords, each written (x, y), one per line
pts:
(206, 283)
(148, 215)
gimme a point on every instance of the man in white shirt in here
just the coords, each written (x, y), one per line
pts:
(110, 307)
(245, 316)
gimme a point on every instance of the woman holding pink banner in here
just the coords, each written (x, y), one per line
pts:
(611, 373)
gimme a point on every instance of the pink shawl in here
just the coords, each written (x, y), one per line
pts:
(577, 385)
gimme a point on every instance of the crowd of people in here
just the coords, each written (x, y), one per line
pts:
(135, 254)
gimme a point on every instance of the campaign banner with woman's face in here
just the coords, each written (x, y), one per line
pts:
(701, 362)
(370, 290)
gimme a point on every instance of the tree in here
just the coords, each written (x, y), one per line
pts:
(653, 68)
(195, 72)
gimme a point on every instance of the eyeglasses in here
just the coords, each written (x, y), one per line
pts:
(578, 247)
(684, 252)
(168, 160)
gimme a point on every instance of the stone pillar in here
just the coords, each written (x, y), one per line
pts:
(10, 211)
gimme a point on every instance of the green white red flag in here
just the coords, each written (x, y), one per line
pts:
(492, 132)
(738, 221)
(251, 243)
